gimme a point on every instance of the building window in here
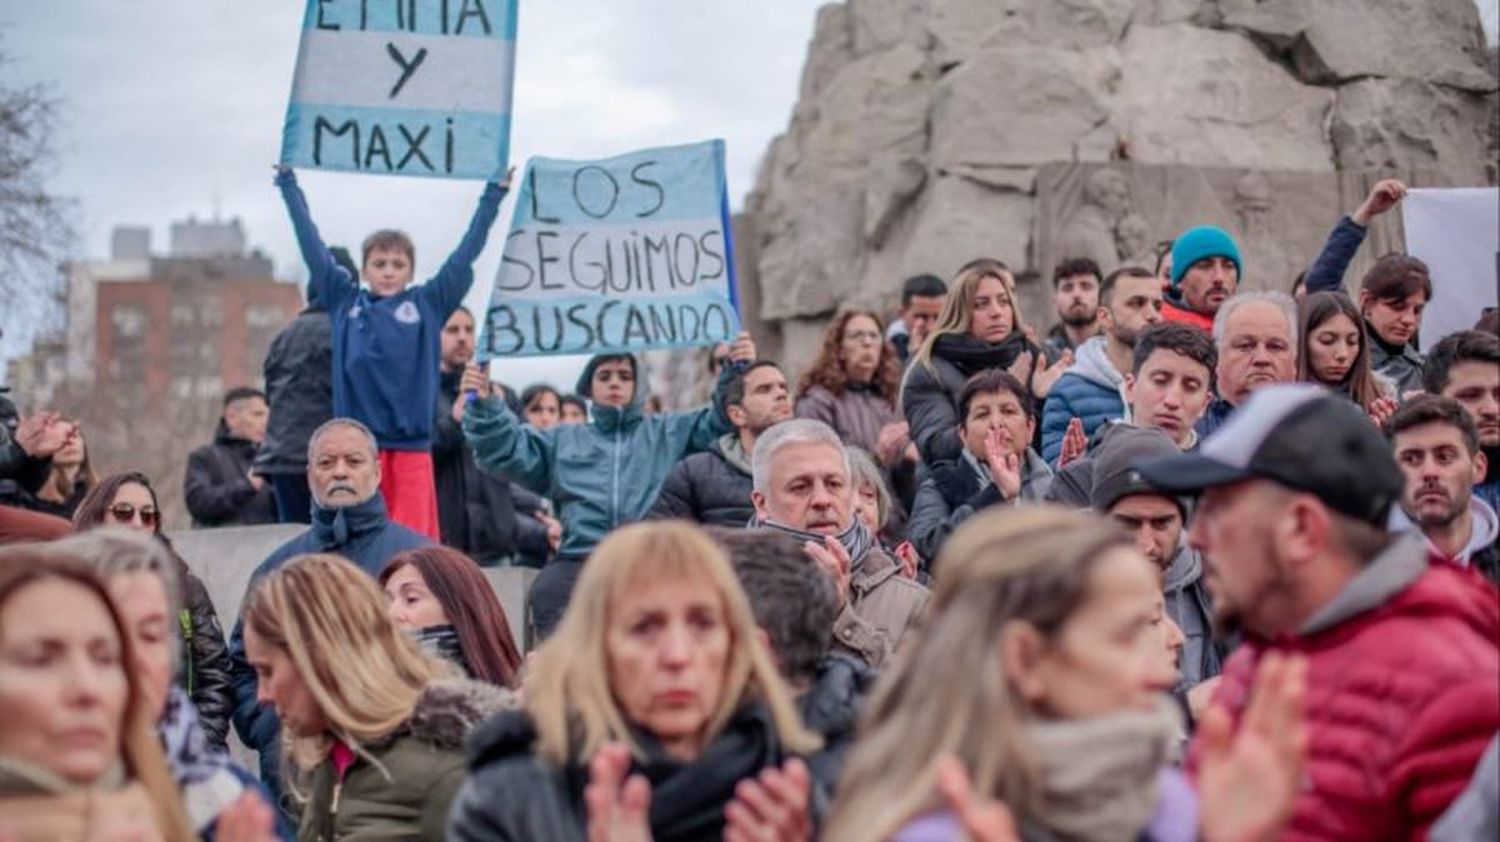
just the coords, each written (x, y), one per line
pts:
(129, 321)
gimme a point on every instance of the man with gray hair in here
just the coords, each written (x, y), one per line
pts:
(803, 487)
(1256, 337)
(349, 519)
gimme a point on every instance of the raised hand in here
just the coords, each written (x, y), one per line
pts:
(248, 819)
(771, 807)
(617, 806)
(910, 561)
(983, 819)
(834, 559)
(893, 441)
(554, 529)
(1046, 375)
(1074, 444)
(1248, 779)
(1381, 410)
(1005, 466)
(743, 349)
(44, 433)
(1386, 194)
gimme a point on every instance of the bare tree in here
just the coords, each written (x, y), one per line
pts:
(36, 228)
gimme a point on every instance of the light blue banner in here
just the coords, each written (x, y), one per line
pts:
(403, 87)
(617, 255)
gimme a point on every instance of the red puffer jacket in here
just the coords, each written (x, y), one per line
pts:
(1403, 696)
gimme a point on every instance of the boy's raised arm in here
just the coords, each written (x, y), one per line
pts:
(453, 280)
(326, 279)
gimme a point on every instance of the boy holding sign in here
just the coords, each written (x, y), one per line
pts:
(386, 344)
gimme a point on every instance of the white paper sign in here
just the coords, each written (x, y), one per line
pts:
(1456, 232)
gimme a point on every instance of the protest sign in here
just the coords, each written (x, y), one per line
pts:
(403, 87)
(1456, 232)
(619, 255)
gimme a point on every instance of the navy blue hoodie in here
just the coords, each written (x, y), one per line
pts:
(386, 350)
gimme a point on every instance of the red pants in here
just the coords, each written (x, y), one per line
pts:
(410, 495)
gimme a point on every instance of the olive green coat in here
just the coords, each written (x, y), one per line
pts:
(405, 793)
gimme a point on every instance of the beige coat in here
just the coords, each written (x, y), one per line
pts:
(883, 607)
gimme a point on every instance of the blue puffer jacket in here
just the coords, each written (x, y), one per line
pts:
(600, 474)
(1089, 390)
(365, 535)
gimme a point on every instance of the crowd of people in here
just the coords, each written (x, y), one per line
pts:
(1202, 562)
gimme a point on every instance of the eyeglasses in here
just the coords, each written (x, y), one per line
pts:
(126, 512)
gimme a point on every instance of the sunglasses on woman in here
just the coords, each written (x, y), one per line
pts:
(126, 512)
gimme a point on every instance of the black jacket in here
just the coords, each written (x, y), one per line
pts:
(929, 394)
(299, 389)
(478, 512)
(831, 707)
(205, 665)
(217, 486)
(512, 795)
(710, 487)
(20, 474)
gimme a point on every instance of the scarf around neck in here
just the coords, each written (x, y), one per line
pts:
(1099, 776)
(443, 642)
(856, 539)
(971, 355)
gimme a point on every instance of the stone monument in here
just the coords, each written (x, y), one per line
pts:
(930, 132)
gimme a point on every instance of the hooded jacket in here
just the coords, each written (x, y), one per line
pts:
(712, 487)
(950, 494)
(1481, 553)
(511, 793)
(1403, 694)
(600, 474)
(1091, 390)
(299, 389)
(362, 533)
(401, 786)
(929, 393)
(1189, 606)
(217, 485)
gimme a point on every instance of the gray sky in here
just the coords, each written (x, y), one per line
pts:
(173, 108)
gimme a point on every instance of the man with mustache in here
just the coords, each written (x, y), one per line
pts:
(349, 518)
(803, 487)
(1206, 270)
(1437, 447)
(1403, 677)
(1256, 336)
(1465, 366)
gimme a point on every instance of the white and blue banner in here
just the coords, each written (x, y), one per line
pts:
(403, 87)
(620, 255)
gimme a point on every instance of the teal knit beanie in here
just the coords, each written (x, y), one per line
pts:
(1198, 243)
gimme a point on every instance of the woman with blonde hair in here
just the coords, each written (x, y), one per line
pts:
(375, 727)
(657, 669)
(79, 757)
(1046, 636)
(979, 328)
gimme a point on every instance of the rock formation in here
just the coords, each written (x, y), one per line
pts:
(929, 132)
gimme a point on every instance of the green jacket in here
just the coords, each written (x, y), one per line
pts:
(420, 767)
(601, 474)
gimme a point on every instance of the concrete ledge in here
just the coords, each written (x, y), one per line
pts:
(224, 558)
